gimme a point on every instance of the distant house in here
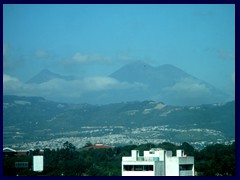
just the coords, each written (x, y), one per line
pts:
(12, 152)
(98, 146)
(22, 153)
(9, 151)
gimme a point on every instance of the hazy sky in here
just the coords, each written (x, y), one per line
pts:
(96, 40)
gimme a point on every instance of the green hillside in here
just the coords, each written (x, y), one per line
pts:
(34, 118)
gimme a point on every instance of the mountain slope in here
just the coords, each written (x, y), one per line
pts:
(34, 118)
(167, 83)
(137, 81)
(160, 77)
(46, 75)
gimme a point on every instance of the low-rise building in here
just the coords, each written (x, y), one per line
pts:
(12, 152)
(158, 162)
(99, 146)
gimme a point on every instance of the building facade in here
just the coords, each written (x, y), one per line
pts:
(158, 162)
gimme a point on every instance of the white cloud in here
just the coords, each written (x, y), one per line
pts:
(10, 84)
(99, 83)
(58, 88)
(188, 88)
(7, 78)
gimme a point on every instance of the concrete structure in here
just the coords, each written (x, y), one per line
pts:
(38, 163)
(158, 162)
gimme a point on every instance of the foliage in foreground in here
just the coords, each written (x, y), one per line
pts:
(213, 160)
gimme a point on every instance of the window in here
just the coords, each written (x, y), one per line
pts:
(148, 167)
(138, 167)
(128, 167)
(21, 164)
(185, 167)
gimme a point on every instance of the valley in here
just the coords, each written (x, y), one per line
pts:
(34, 122)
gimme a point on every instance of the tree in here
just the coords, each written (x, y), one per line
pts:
(88, 144)
(69, 146)
(188, 149)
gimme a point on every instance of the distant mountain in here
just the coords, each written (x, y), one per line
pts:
(34, 118)
(159, 77)
(166, 83)
(139, 81)
(46, 75)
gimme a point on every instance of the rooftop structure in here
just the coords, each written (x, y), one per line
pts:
(158, 162)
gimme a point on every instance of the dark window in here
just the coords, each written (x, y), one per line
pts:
(148, 167)
(128, 167)
(138, 167)
(185, 167)
(21, 164)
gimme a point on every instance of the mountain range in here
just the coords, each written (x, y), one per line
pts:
(169, 84)
(35, 118)
(141, 81)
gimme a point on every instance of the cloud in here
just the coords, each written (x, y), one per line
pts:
(80, 58)
(10, 84)
(7, 78)
(60, 89)
(188, 87)
(106, 83)
(42, 54)
(99, 83)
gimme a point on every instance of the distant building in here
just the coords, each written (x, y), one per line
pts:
(9, 151)
(12, 152)
(98, 146)
(22, 153)
(38, 163)
(158, 162)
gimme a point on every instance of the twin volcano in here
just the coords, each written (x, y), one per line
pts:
(162, 76)
(165, 83)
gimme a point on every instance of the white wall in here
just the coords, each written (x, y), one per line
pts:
(159, 153)
(138, 173)
(38, 163)
(172, 166)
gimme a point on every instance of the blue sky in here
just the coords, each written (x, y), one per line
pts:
(96, 40)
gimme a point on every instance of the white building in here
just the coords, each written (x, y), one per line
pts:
(38, 163)
(158, 162)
